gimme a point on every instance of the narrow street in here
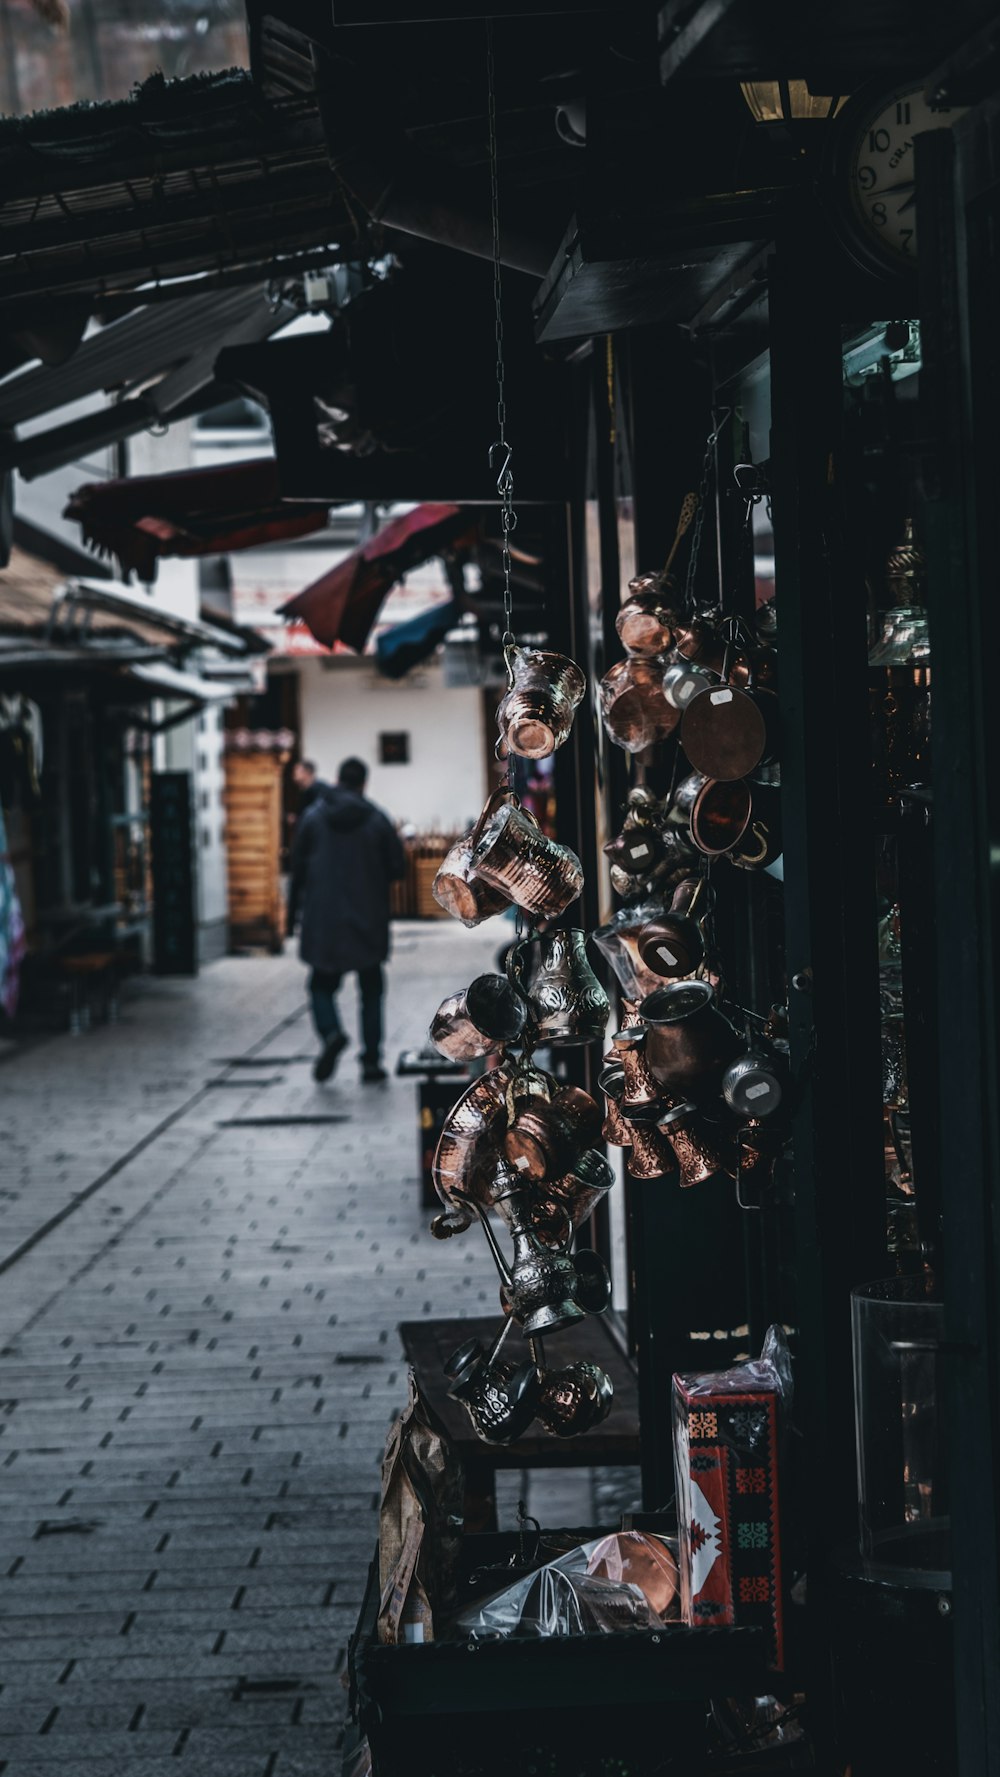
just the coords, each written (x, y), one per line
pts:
(204, 1259)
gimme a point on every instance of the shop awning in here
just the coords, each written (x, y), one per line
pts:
(342, 605)
(85, 609)
(168, 681)
(189, 513)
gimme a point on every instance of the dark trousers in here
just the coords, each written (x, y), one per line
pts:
(326, 1016)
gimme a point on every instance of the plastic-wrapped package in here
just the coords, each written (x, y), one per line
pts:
(726, 1448)
(624, 1581)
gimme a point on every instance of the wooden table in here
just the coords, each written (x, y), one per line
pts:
(428, 1343)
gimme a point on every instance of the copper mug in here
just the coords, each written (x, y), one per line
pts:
(462, 893)
(689, 1040)
(500, 1397)
(536, 712)
(574, 1399)
(699, 639)
(544, 1140)
(512, 855)
(566, 1003)
(635, 713)
(673, 946)
(728, 731)
(714, 814)
(486, 1017)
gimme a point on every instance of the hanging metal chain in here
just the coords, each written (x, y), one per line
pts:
(707, 467)
(500, 451)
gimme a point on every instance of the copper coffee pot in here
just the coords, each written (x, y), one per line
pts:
(486, 1017)
(615, 1129)
(641, 1095)
(673, 946)
(690, 1041)
(649, 1156)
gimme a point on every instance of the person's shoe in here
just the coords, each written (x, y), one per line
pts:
(329, 1056)
(373, 1074)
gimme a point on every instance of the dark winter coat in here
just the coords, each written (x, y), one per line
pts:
(345, 854)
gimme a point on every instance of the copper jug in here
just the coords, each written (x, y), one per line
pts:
(458, 889)
(566, 1003)
(615, 1130)
(646, 619)
(690, 1041)
(469, 1140)
(540, 1280)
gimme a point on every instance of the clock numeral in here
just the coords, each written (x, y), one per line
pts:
(867, 177)
(880, 214)
(903, 111)
(878, 141)
(905, 237)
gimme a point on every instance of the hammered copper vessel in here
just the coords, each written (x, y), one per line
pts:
(671, 947)
(514, 857)
(690, 1041)
(479, 1021)
(699, 1151)
(649, 1156)
(615, 1130)
(634, 710)
(618, 942)
(540, 1280)
(640, 1093)
(699, 640)
(575, 1399)
(727, 732)
(636, 849)
(536, 713)
(544, 1141)
(469, 1139)
(565, 1001)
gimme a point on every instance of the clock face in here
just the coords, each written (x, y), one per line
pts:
(881, 171)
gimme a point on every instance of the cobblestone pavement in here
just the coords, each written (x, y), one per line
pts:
(203, 1264)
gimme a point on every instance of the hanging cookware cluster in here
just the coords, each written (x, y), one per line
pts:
(688, 1093)
(518, 1145)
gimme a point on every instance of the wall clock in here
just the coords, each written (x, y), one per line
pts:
(873, 173)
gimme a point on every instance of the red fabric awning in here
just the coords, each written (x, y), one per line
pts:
(190, 512)
(342, 605)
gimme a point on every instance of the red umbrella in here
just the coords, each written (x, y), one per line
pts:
(343, 604)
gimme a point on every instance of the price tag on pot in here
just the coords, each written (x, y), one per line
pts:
(639, 851)
(720, 697)
(665, 955)
(759, 1090)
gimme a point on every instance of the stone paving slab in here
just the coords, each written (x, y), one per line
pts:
(198, 1364)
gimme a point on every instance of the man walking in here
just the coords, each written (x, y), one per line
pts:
(345, 855)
